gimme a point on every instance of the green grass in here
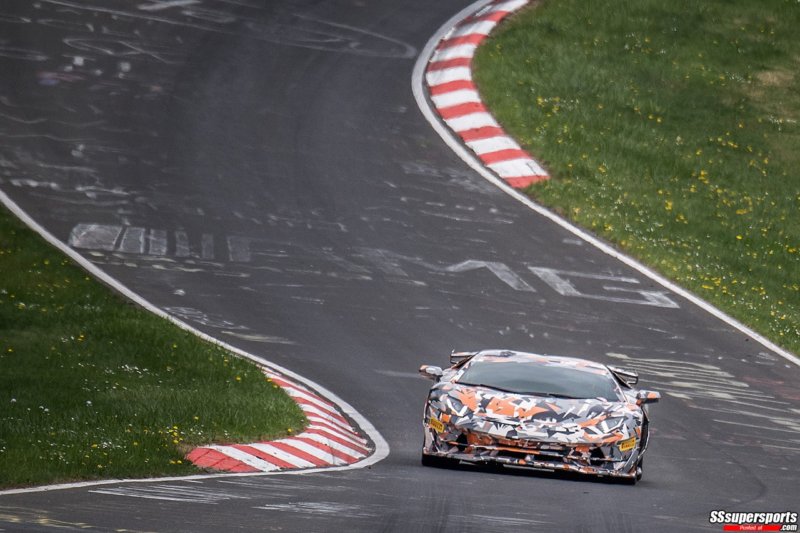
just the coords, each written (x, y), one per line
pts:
(92, 386)
(670, 129)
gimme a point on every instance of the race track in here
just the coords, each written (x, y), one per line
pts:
(262, 171)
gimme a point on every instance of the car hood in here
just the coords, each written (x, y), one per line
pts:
(546, 419)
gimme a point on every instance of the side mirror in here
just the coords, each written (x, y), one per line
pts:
(430, 372)
(627, 375)
(647, 396)
(458, 357)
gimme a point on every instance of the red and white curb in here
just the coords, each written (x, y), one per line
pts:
(448, 78)
(323, 408)
(329, 440)
(426, 89)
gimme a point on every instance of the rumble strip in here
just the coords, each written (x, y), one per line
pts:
(329, 440)
(448, 79)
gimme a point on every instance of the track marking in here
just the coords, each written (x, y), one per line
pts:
(166, 4)
(455, 144)
(381, 447)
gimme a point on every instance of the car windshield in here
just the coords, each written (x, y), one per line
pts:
(537, 378)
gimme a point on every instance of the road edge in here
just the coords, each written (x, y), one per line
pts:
(381, 447)
(431, 113)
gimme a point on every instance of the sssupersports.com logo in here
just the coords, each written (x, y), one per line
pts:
(785, 521)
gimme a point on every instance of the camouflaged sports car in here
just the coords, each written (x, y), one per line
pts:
(536, 411)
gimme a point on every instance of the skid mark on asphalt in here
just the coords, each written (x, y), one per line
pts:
(172, 493)
(256, 337)
(361, 264)
(226, 327)
(306, 508)
(332, 501)
(287, 28)
(159, 5)
(749, 415)
(38, 517)
(507, 521)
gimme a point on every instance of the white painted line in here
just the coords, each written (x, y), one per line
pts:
(484, 27)
(332, 433)
(319, 423)
(168, 495)
(325, 415)
(493, 144)
(319, 453)
(207, 246)
(157, 242)
(470, 159)
(313, 400)
(239, 249)
(132, 241)
(515, 168)
(324, 419)
(438, 77)
(463, 96)
(280, 454)
(347, 450)
(94, 236)
(455, 52)
(472, 121)
(321, 404)
(181, 244)
(246, 458)
(365, 426)
(160, 5)
(511, 5)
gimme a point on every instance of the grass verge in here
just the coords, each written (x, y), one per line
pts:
(92, 386)
(670, 129)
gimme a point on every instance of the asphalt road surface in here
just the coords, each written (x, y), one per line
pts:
(261, 170)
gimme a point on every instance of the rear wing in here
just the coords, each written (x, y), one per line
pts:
(461, 357)
(628, 376)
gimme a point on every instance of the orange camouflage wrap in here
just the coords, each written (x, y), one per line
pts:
(474, 423)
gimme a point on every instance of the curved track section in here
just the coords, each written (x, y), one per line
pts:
(261, 171)
(329, 440)
(452, 92)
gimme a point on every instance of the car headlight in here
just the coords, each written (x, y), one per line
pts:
(609, 424)
(455, 406)
(447, 404)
